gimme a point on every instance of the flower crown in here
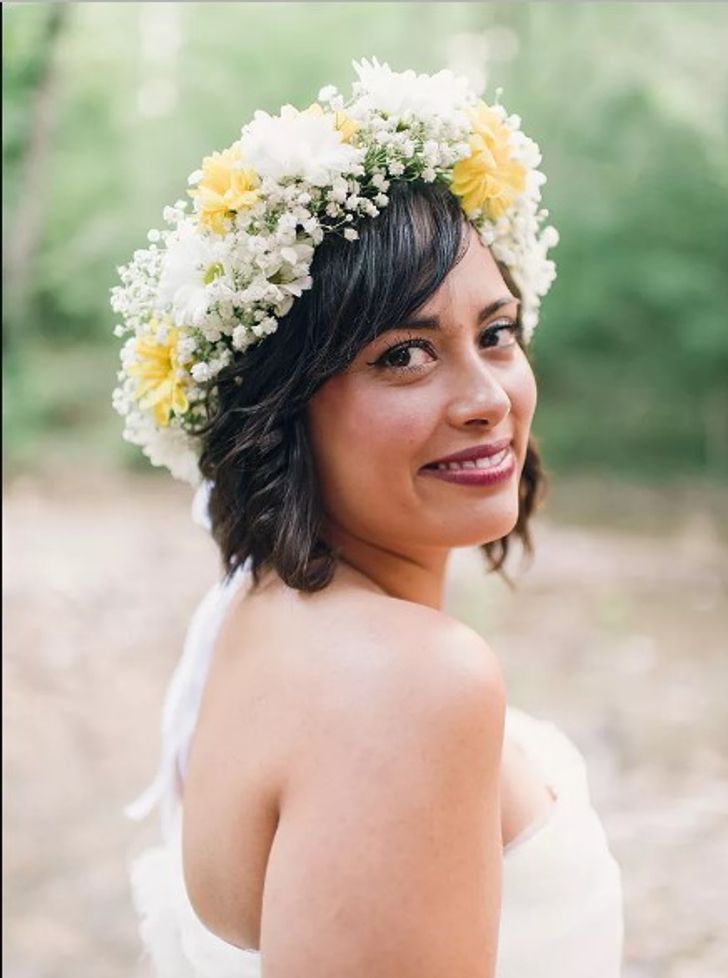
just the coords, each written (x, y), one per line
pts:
(222, 274)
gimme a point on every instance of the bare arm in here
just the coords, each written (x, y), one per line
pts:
(387, 857)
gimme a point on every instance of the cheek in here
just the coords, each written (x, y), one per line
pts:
(358, 432)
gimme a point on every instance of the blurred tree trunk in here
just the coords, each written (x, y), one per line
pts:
(25, 227)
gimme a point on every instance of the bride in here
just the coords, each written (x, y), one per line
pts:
(335, 337)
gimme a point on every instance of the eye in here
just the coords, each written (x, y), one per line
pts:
(501, 334)
(397, 357)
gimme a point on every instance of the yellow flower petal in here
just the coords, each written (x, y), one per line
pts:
(346, 126)
(224, 188)
(489, 179)
(159, 387)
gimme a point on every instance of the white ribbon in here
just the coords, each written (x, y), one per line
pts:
(184, 693)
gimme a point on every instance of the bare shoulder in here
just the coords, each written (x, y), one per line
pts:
(388, 846)
(452, 648)
(420, 652)
(346, 643)
(348, 656)
(379, 661)
(386, 639)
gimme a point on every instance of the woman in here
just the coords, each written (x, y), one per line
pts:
(336, 339)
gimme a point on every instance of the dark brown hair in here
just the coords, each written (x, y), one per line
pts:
(265, 503)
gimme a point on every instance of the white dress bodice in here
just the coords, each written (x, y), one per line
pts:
(561, 911)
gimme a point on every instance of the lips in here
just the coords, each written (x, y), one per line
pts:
(472, 454)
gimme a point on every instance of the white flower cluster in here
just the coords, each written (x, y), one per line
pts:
(220, 276)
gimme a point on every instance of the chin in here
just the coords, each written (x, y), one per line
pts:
(499, 525)
(477, 535)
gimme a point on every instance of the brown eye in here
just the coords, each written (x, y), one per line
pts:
(397, 357)
(501, 334)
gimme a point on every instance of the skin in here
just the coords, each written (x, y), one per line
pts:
(372, 428)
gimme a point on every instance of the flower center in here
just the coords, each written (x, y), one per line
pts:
(213, 272)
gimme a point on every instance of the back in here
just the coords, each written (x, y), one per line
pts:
(386, 855)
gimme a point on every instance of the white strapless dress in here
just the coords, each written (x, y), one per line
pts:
(561, 913)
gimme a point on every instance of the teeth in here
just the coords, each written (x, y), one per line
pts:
(489, 462)
(492, 461)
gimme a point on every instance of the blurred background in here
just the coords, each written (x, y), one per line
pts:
(617, 629)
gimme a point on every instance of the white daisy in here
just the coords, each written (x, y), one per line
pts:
(297, 144)
(192, 269)
(406, 94)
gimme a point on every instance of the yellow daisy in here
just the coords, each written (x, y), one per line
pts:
(159, 388)
(225, 188)
(488, 178)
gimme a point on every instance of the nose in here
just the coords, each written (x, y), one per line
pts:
(478, 397)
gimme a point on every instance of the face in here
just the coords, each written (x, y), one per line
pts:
(453, 378)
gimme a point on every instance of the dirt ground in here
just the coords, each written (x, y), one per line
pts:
(617, 633)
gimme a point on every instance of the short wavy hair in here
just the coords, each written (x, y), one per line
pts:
(265, 503)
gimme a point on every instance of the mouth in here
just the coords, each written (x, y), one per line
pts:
(488, 470)
(485, 457)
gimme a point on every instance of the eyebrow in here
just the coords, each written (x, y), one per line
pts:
(433, 322)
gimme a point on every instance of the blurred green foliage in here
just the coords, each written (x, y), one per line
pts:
(108, 107)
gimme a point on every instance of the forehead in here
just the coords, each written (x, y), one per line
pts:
(470, 285)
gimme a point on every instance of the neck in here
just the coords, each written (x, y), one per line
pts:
(417, 576)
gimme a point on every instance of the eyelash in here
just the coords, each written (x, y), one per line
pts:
(423, 344)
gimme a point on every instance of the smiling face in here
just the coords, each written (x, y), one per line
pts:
(452, 378)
